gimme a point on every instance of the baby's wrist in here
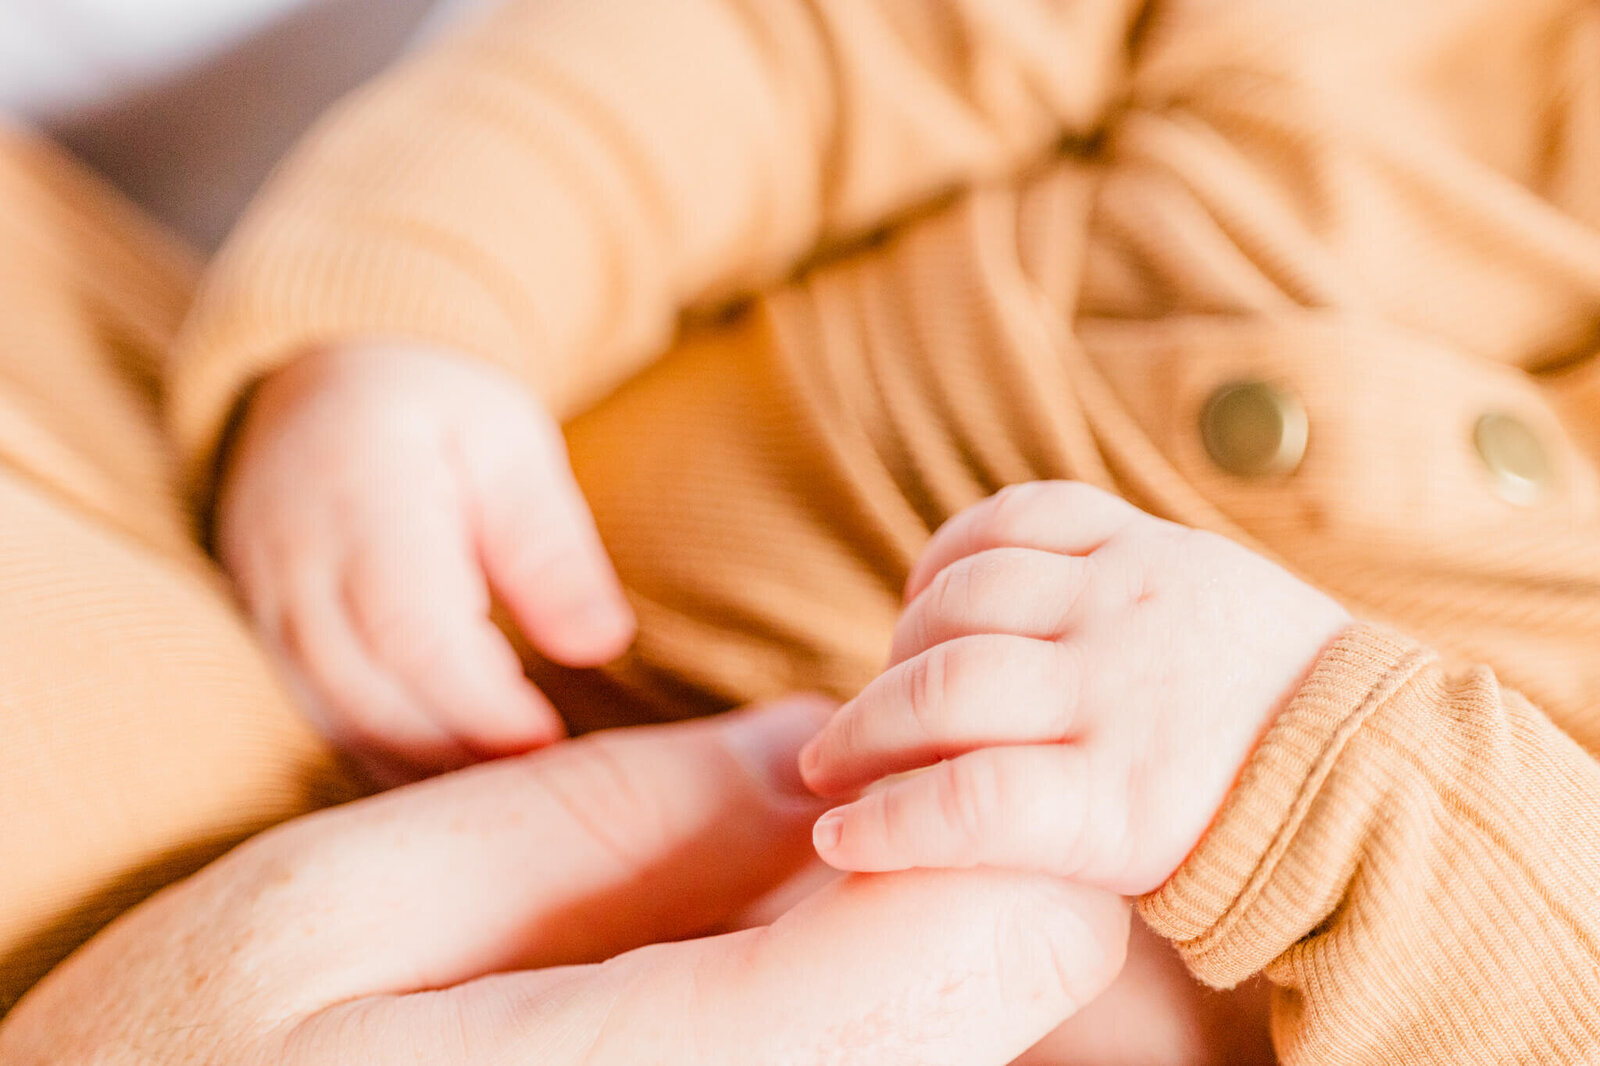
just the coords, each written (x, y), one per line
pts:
(1335, 622)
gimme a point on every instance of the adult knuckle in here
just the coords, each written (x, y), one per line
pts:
(269, 874)
(1078, 960)
(598, 788)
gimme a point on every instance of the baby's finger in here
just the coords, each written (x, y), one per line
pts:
(1066, 517)
(357, 705)
(970, 693)
(422, 607)
(543, 555)
(1016, 591)
(1017, 808)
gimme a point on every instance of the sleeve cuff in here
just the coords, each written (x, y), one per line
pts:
(1235, 905)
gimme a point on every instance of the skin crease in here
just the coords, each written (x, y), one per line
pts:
(411, 928)
(375, 497)
(1140, 663)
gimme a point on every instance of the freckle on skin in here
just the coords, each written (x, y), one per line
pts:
(869, 1030)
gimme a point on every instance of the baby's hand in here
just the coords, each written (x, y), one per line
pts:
(374, 497)
(1083, 683)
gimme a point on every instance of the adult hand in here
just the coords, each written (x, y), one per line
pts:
(377, 497)
(456, 922)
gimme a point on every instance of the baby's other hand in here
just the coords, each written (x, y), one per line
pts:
(375, 496)
(1079, 685)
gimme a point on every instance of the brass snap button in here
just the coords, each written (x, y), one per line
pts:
(1255, 429)
(1513, 454)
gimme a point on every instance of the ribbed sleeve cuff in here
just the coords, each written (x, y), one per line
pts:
(1236, 905)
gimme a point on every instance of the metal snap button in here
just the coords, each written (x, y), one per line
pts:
(1255, 429)
(1514, 455)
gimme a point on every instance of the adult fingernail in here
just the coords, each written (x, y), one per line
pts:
(768, 739)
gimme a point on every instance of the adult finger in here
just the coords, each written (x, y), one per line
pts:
(913, 969)
(543, 554)
(1017, 591)
(573, 853)
(1066, 517)
(968, 693)
(921, 968)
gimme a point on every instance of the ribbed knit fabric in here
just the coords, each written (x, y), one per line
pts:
(1412, 858)
(141, 730)
(1389, 209)
(612, 183)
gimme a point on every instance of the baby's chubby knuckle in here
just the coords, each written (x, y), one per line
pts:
(1016, 509)
(409, 641)
(1201, 547)
(406, 638)
(1016, 503)
(1057, 676)
(946, 684)
(950, 595)
(970, 797)
(319, 674)
(1011, 514)
(930, 681)
(967, 586)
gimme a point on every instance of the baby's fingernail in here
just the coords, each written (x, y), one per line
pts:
(825, 835)
(768, 739)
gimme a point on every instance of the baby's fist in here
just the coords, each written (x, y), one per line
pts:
(375, 496)
(1079, 684)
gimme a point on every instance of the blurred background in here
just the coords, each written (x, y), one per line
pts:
(186, 104)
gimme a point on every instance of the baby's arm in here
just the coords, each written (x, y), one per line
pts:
(542, 195)
(1413, 857)
(551, 186)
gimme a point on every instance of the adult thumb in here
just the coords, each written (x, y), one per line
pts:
(572, 854)
(922, 968)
